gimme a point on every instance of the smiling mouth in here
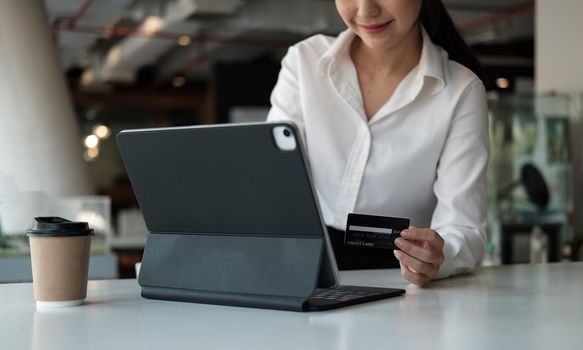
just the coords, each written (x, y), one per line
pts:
(374, 28)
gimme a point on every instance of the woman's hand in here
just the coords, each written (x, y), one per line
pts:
(421, 254)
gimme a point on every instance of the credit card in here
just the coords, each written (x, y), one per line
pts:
(371, 231)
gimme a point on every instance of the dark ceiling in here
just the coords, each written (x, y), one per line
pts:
(123, 41)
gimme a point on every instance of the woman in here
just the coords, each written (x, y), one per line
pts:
(394, 119)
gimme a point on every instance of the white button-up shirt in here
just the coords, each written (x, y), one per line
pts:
(422, 156)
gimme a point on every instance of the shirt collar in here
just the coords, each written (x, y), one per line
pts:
(431, 64)
(338, 49)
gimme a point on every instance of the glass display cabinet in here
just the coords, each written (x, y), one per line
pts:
(529, 178)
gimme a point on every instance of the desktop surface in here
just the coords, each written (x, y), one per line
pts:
(508, 307)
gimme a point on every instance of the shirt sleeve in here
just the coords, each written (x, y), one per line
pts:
(460, 187)
(285, 97)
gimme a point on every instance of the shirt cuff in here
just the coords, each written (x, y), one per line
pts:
(447, 267)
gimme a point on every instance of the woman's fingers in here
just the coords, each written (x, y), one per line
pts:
(420, 255)
(425, 235)
(428, 270)
(413, 277)
(424, 254)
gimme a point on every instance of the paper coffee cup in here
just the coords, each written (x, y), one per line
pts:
(59, 251)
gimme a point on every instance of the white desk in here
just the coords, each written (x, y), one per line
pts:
(511, 307)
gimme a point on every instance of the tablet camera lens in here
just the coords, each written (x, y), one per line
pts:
(286, 132)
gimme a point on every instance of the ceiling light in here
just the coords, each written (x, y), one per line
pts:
(90, 114)
(91, 154)
(113, 55)
(91, 141)
(184, 40)
(87, 77)
(502, 83)
(101, 131)
(178, 81)
(151, 25)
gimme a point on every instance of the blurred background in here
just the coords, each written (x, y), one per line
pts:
(73, 73)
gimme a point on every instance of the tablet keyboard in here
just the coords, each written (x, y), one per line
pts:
(330, 298)
(340, 294)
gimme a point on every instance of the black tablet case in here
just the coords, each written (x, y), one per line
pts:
(232, 218)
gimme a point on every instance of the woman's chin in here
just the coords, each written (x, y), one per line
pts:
(377, 43)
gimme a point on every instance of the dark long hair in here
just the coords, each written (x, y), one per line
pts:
(443, 32)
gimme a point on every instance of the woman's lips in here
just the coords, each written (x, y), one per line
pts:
(374, 28)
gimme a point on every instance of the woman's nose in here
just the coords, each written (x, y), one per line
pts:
(368, 8)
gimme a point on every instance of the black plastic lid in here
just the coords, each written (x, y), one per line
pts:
(53, 226)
